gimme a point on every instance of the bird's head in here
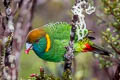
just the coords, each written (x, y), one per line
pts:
(33, 37)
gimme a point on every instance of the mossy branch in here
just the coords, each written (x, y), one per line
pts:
(9, 55)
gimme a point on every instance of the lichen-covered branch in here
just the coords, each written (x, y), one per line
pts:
(11, 40)
(78, 27)
(69, 54)
(1, 46)
(7, 43)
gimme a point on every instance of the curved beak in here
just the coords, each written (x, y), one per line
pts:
(28, 48)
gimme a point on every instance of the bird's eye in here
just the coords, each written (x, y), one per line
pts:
(37, 41)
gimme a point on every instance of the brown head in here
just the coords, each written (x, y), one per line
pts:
(34, 36)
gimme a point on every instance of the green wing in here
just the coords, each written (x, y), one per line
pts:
(59, 30)
(60, 35)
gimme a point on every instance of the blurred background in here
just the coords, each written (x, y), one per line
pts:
(58, 11)
(86, 66)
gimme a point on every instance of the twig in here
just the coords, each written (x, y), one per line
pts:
(117, 51)
(114, 60)
(16, 3)
(110, 43)
(69, 54)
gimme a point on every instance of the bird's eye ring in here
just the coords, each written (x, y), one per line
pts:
(37, 40)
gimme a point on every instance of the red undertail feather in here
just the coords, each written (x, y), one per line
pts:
(87, 48)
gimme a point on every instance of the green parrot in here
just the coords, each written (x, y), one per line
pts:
(49, 42)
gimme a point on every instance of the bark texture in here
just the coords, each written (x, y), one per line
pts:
(13, 35)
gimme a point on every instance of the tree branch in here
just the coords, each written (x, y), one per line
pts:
(23, 25)
(77, 22)
(69, 54)
(1, 46)
(11, 40)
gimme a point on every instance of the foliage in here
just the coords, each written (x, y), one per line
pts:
(111, 35)
(44, 76)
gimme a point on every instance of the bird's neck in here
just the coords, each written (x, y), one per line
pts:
(40, 46)
(43, 45)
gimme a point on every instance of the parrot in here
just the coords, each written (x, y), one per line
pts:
(49, 42)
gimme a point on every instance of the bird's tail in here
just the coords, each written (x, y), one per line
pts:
(100, 50)
(91, 48)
